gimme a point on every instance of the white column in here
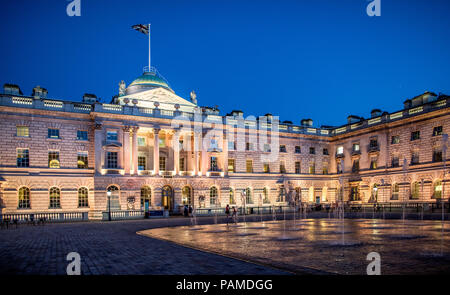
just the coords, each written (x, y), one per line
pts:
(135, 151)
(156, 151)
(126, 150)
(225, 154)
(196, 149)
(99, 155)
(176, 152)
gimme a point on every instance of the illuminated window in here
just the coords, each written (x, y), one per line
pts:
(248, 196)
(395, 139)
(231, 166)
(340, 150)
(213, 164)
(213, 195)
(162, 142)
(266, 199)
(232, 199)
(141, 141)
(23, 158)
(437, 192)
(142, 162)
(395, 191)
(24, 198)
(355, 147)
(249, 166)
(55, 198)
(186, 195)
(266, 168)
(325, 168)
(312, 168)
(83, 197)
(22, 131)
(415, 191)
(162, 163)
(53, 159)
(354, 194)
(437, 131)
(281, 194)
(182, 168)
(82, 160)
(373, 163)
(146, 196)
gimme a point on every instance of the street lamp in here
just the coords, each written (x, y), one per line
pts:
(108, 194)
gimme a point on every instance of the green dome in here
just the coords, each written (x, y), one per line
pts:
(147, 81)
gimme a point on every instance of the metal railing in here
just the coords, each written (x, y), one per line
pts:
(45, 216)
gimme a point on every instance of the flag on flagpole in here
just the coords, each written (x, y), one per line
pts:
(141, 28)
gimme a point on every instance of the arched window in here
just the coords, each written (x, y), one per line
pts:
(248, 196)
(83, 197)
(281, 194)
(415, 191)
(374, 193)
(266, 199)
(146, 196)
(55, 198)
(232, 200)
(213, 194)
(395, 191)
(113, 200)
(186, 195)
(24, 198)
(437, 191)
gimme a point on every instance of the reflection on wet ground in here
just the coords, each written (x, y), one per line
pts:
(318, 245)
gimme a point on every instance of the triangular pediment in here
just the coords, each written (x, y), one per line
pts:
(166, 99)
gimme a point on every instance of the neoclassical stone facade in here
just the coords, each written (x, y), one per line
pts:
(150, 145)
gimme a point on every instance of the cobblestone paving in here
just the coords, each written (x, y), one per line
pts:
(110, 248)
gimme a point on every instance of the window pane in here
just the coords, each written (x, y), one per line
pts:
(82, 135)
(22, 131)
(23, 158)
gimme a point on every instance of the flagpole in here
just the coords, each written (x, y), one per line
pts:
(149, 55)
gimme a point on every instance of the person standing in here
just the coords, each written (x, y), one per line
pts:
(227, 212)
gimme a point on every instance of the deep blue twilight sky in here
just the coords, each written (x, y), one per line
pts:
(297, 59)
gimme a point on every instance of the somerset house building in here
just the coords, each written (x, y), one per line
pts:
(150, 149)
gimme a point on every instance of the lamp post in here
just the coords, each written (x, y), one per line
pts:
(375, 195)
(108, 194)
(243, 197)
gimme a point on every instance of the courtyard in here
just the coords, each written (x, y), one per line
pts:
(261, 246)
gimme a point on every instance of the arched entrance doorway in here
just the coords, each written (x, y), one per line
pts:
(167, 197)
